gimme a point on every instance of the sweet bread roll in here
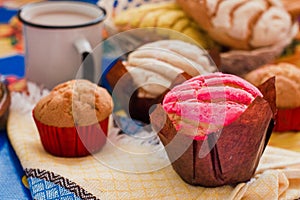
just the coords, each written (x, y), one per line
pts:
(162, 15)
(154, 66)
(241, 24)
(287, 82)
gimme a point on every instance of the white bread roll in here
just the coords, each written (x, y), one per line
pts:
(154, 66)
(241, 24)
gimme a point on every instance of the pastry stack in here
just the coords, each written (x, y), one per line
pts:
(256, 31)
(248, 34)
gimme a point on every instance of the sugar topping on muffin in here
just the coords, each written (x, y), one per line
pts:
(206, 103)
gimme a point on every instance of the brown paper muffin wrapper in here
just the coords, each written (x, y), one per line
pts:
(229, 156)
(287, 120)
(72, 141)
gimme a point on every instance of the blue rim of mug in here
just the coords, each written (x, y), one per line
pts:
(92, 22)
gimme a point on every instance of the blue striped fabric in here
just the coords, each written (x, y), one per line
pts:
(45, 190)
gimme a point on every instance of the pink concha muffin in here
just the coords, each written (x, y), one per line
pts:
(215, 127)
(72, 119)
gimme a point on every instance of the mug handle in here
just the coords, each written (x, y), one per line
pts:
(84, 48)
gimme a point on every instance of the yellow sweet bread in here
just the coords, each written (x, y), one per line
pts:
(162, 15)
(287, 82)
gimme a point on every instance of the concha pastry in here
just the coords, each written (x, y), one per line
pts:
(155, 65)
(162, 15)
(151, 70)
(242, 24)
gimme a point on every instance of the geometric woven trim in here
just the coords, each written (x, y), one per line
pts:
(61, 181)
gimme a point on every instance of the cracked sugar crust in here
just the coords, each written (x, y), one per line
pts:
(75, 102)
(242, 24)
(206, 103)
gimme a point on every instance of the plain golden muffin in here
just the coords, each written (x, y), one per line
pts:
(75, 102)
(72, 120)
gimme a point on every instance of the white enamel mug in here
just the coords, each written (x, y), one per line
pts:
(59, 36)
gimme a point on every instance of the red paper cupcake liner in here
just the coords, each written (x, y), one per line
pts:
(287, 120)
(73, 141)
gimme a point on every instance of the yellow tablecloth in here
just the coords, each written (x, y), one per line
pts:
(103, 175)
(286, 140)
